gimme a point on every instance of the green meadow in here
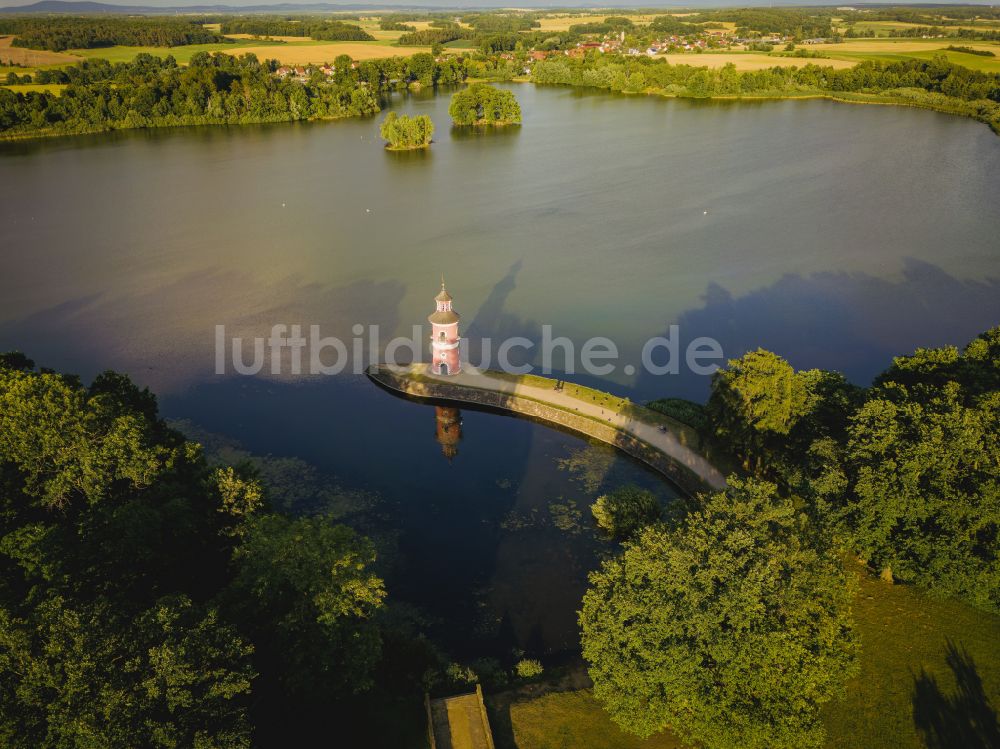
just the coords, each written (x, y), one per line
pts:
(904, 634)
(27, 88)
(973, 62)
(182, 54)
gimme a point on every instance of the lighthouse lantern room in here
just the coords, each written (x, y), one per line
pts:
(444, 335)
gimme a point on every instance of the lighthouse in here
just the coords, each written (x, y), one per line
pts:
(444, 335)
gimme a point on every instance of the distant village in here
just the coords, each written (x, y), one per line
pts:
(612, 44)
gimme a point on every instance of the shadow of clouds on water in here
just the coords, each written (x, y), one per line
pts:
(854, 323)
(964, 719)
(164, 337)
(493, 321)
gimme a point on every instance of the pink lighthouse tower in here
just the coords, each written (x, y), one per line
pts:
(444, 335)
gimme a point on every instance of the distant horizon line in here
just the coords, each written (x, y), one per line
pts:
(50, 6)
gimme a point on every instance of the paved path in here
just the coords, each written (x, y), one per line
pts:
(670, 443)
(458, 723)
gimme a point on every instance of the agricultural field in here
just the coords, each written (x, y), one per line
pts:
(747, 60)
(30, 57)
(892, 50)
(318, 52)
(882, 28)
(904, 634)
(38, 88)
(300, 52)
(973, 62)
(182, 54)
(562, 21)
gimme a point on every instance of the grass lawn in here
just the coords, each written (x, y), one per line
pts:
(903, 633)
(570, 720)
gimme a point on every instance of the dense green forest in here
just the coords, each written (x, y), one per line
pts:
(802, 24)
(728, 619)
(387, 25)
(937, 84)
(907, 472)
(212, 89)
(494, 23)
(69, 32)
(149, 598)
(334, 31)
(431, 36)
(951, 15)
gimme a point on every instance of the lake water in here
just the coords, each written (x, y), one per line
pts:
(836, 235)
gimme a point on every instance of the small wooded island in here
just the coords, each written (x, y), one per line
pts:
(404, 133)
(482, 104)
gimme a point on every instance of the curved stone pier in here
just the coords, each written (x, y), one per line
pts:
(662, 443)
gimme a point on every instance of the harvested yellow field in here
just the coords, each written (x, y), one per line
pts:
(305, 54)
(31, 57)
(750, 61)
(562, 22)
(287, 39)
(419, 25)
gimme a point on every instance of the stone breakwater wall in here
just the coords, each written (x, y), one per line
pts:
(678, 473)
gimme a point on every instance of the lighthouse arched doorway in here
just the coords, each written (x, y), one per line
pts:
(442, 368)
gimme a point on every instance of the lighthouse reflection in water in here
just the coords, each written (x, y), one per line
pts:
(449, 430)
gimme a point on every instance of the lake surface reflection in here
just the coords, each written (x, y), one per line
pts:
(837, 236)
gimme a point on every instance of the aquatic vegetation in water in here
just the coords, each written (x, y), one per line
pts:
(566, 516)
(590, 465)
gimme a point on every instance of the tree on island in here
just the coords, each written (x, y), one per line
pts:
(730, 629)
(482, 104)
(405, 132)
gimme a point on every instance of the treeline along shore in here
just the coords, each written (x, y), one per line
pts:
(96, 96)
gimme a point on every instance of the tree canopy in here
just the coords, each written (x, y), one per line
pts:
(906, 472)
(916, 483)
(403, 132)
(625, 511)
(148, 599)
(730, 629)
(482, 104)
(69, 32)
(211, 89)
